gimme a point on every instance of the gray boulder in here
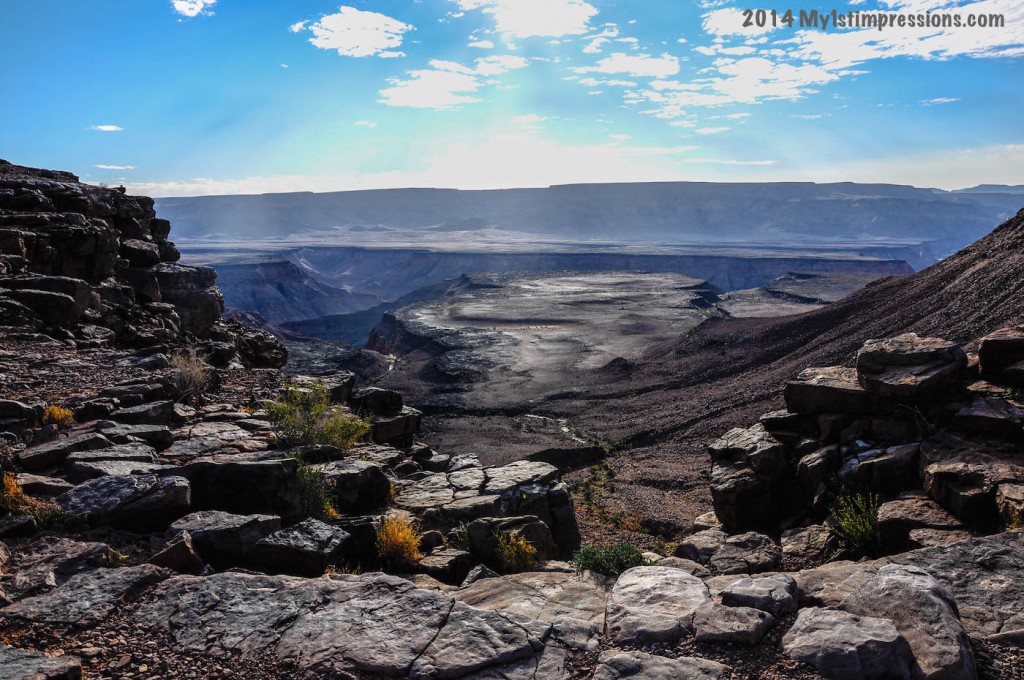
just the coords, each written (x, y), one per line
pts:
(773, 594)
(925, 614)
(713, 622)
(359, 486)
(843, 646)
(653, 604)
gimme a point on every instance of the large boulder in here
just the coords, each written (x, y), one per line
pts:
(305, 549)
(358, 486)
(844, 646)
(909, 367)
(999, 351)
(925, 614)
(773, 594)
(226, 540)
(244, 484)
(653, 604)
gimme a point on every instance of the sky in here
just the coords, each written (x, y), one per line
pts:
(191, 97)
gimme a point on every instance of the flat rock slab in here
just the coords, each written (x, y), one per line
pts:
(157, 436)
(49, 562)
(620, 665)
(87, 598)
(573, 604)
(653, 604)
(925, 614)
(82, 471)
(844, 646)
(132, 502)
(22, 664)
(53, 453)
(245, 484)
(830, 389)
(371, 624)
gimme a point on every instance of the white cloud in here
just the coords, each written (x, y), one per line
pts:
(743, 81)
(482, 44)
(636, 65)
(710, 130)
(355, 33)
(594, 46)
(365, 123)
(106, 128)
(729, 21)
(530, 18)
(192, 8)
(595, 82)
(284, 66)
(114, 167)
(737, 116)
(940, 100)
(297, 26)
(447, 84)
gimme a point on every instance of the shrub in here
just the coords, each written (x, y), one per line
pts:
(12, 498)
(515, 553)
(315, 493)
(398, 542)
(1015, 394)
(190, 374)
(855, 517)
(305, 416)
(608, 560)
(59, 416)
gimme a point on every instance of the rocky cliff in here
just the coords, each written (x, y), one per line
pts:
(92, 266)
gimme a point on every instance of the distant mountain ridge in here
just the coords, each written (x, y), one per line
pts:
(669, 212)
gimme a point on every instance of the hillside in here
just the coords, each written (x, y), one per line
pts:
(729, 371)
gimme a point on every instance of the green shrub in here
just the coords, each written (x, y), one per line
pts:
(515, 553)
(316, 493)
(608, 560)
(305, 416)
(855, 517)
(1015, 394)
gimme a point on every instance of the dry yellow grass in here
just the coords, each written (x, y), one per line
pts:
(398, 542)
(59, 416)
(515, 553)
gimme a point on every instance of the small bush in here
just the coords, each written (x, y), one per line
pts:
(47, 514)
(608, 560)
(856, 519)
(306, 417)
(59, 416)
(315, 493)
(190, 374)
(1015, 394)
(398, 542)
(515, 553)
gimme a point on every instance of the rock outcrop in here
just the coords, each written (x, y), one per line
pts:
(93, 266)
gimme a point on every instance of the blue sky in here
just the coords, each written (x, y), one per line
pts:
(192, 97)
